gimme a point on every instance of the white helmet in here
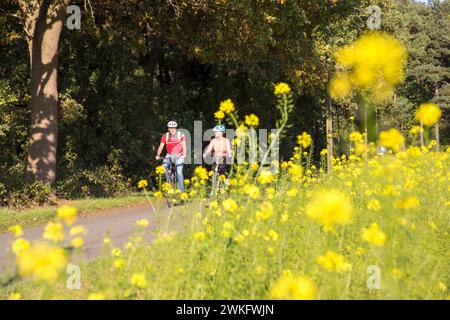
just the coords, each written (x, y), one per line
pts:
(172, 124)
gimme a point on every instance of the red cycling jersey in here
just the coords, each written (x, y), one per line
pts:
(173, 143)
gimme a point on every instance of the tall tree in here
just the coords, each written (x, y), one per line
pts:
(42, 25)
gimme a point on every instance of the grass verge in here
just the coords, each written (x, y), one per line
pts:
(36, 216)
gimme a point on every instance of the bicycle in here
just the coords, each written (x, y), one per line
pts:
(218, 170)
(171, 177)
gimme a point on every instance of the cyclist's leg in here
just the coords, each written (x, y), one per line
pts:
(180, 163)
(224, 167)
(166, 165)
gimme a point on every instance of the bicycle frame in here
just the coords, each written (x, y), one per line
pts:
(215, 178)
(172, 176)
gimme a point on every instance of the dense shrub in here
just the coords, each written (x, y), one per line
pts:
(31, 194)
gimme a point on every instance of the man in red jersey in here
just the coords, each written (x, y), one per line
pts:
(175, 143)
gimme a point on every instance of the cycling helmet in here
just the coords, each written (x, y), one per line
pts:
(172, 124)
(219, 128)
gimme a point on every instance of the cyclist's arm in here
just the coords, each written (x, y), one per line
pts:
(160, 149)
(183, 144)
(228, 148)
(209, 148)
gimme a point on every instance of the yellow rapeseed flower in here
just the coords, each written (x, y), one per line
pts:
(142, 184)
(265, 211)
(296, 172)
(340, 87)
(184, 196)
(282, 88)
(392, 139)
(158, 194)
(334, 261)
(139, 280)
(227, 106)
(201, 173)
(119, 263)
(77, 242)
(252, 120)
(96, 296)
(15, 296)
(20, 246)
(199, 235)
(330, 208)
(252, 191)
(66, 214)
(230, 205)
(374, 235)
(160, 170)
(408, 203)
(373, 64)
(273, 235)
(77, 230)
(289, 287)
(428, 113)
(304, 140)
(415, 130)
(16, 230)
(143, 223)
(265, 177)
(42, 261)
(219, 115)
(54, 232)
(374, 205)
(356, 137)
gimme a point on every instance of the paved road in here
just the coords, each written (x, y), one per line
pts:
(119, 224)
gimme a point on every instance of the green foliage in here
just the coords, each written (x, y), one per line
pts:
(134, 64)
(31, 194)
(100, 181)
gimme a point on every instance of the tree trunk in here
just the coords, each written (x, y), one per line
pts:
(436, 134)
(43, 25)
(436, 127)
(421, 133)
(329, 129)
(152, 61)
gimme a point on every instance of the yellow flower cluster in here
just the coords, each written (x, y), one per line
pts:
(374, 64)
(282, 88)
(374, 235)
(289, 287)
(142, 184)
(219, 115)
(334, 261)
(16, 230)
(252, 191)
(230, 205)
(265, 177)
(330, 208)
(201, 173)
(143, 223)
(54, 232)
(66, 214)
(252, 120)
(374, 205)
(304, 140)
(392, 139)
(41, 261)
(227, 106)
(160, 170)
(356, 137)
(428, 114)
(139, 280)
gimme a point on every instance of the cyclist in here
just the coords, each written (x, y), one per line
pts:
(220, 148)
(175, 143)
